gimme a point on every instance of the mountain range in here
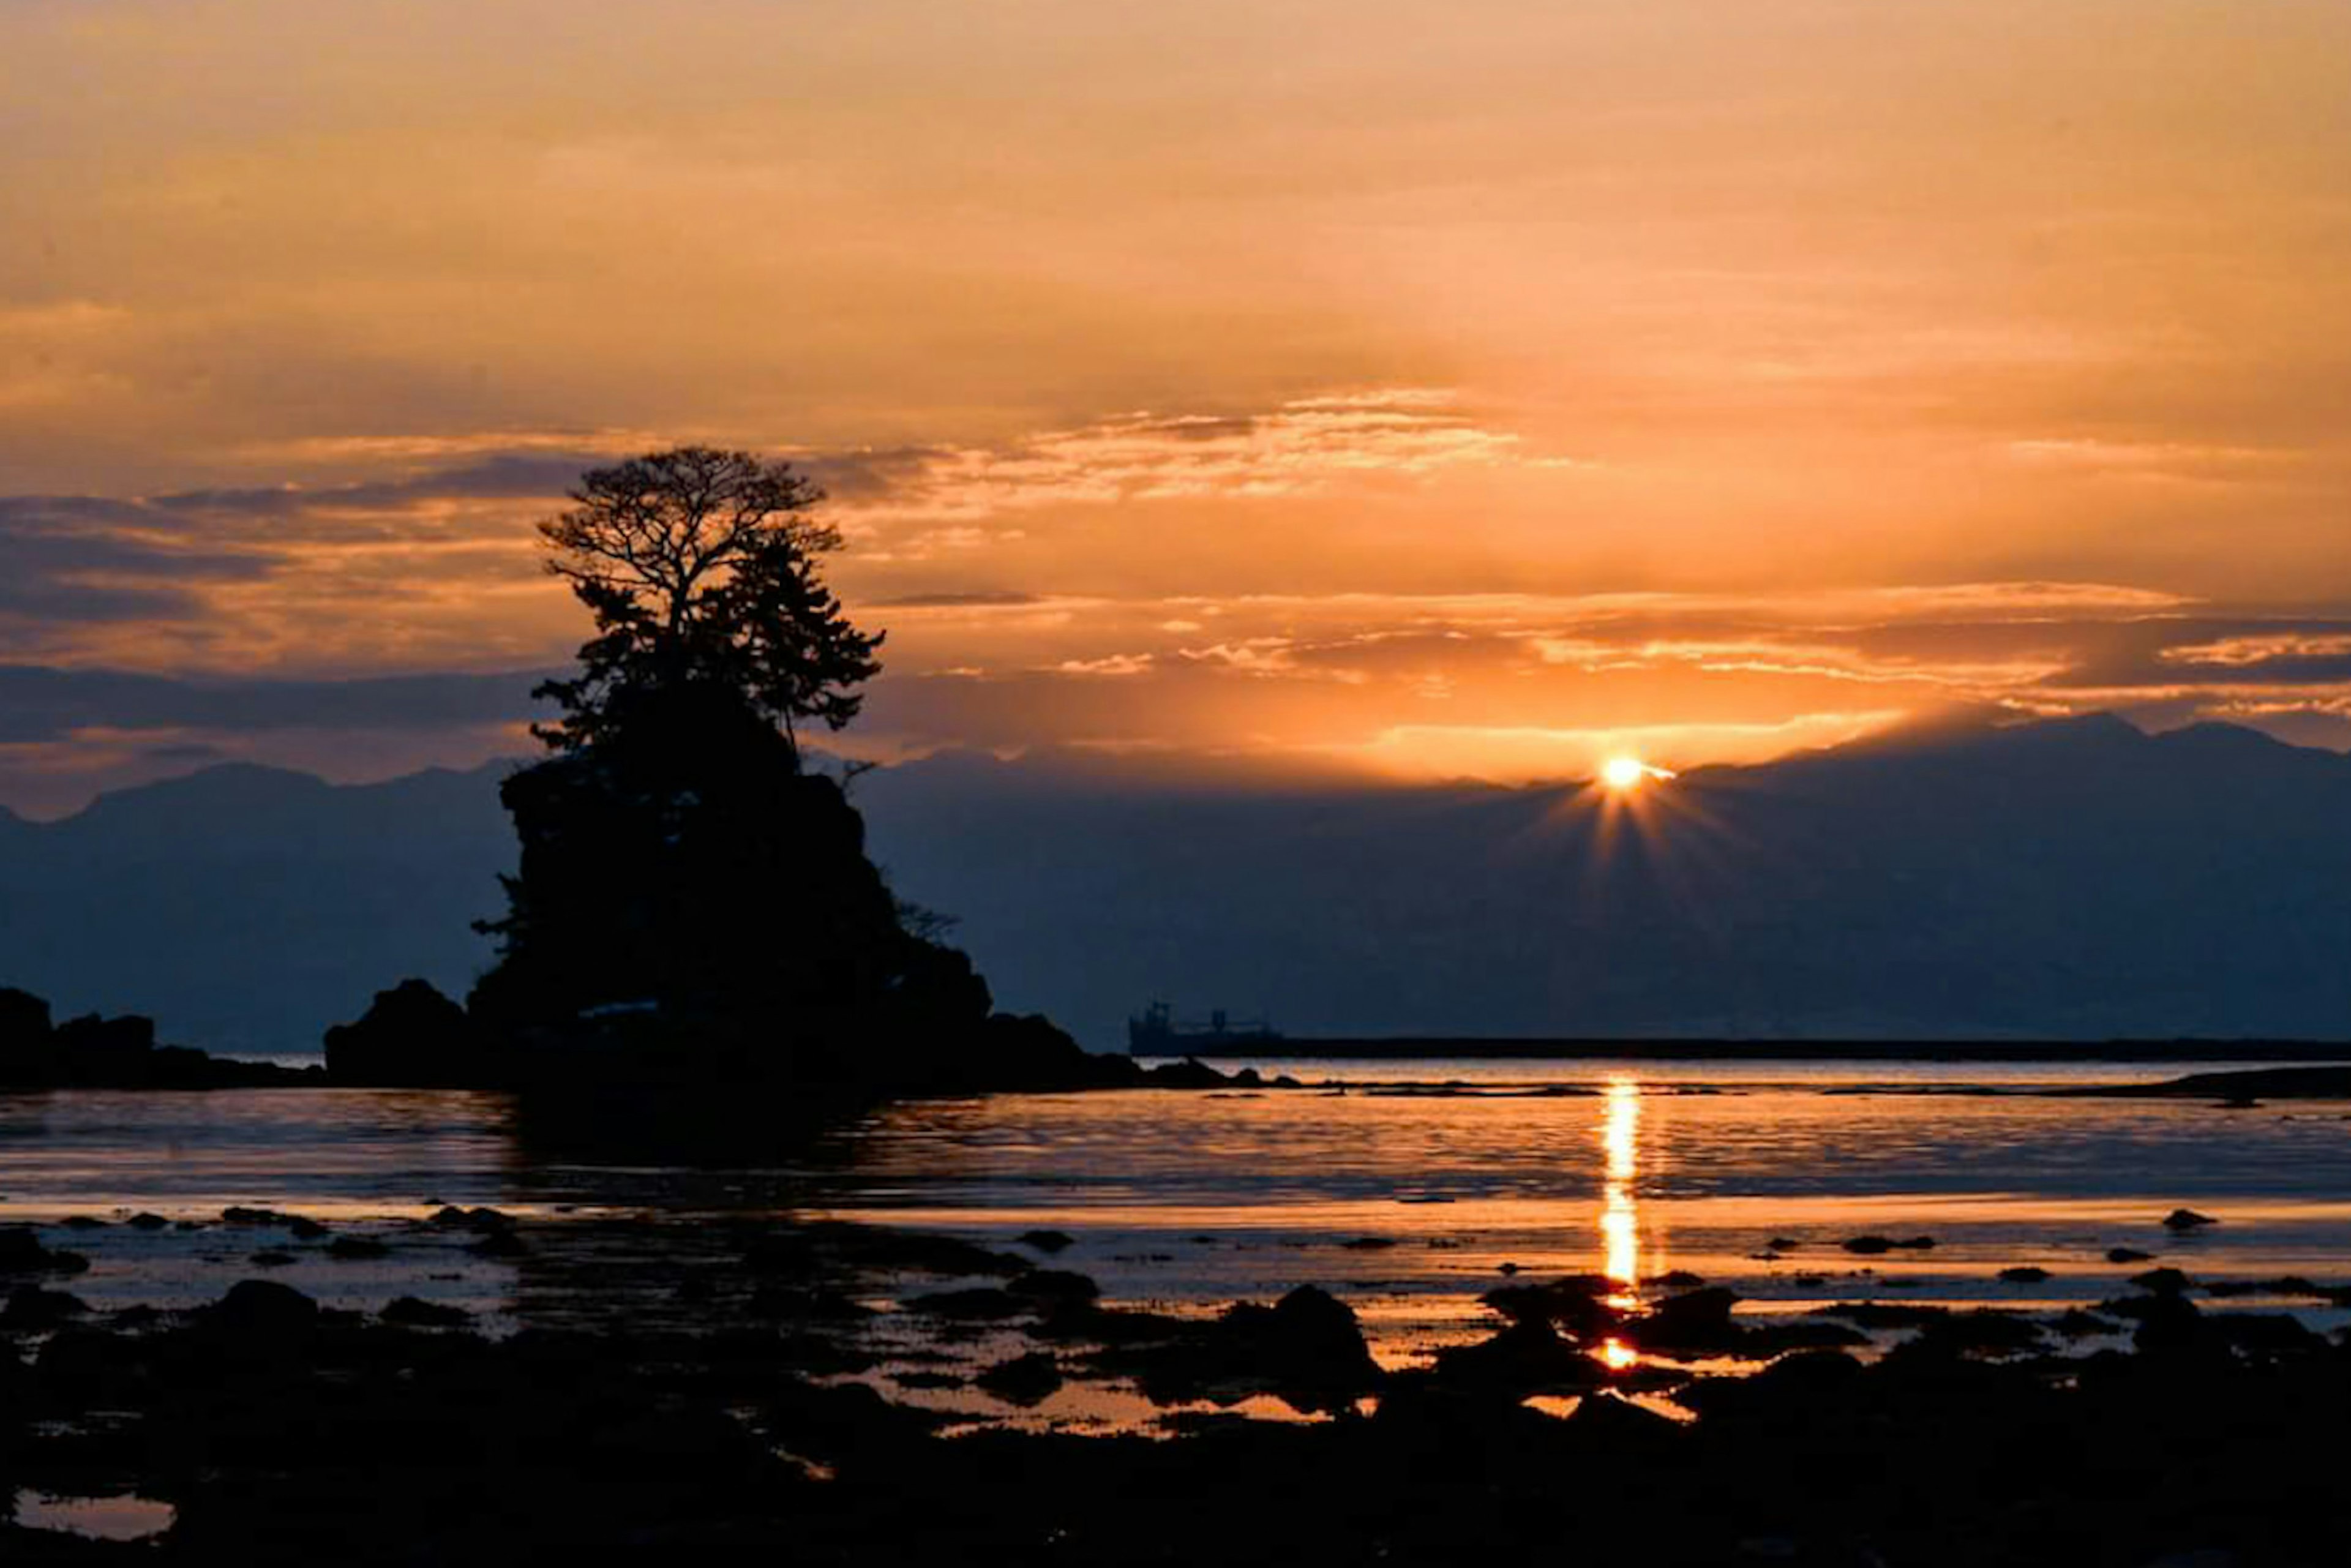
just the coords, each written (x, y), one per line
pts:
(2071, 880)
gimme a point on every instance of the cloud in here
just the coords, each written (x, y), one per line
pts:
(70, 560)
(38, 704)
(2266, 650)
(1527, 752)
(977, 599)
(1110, 665)
(1305, 445)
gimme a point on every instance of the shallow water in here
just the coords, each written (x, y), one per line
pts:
(118, 1517)
(1408, 1198)
(1649, 1170)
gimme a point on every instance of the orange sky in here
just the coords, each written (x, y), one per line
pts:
(1413, 387)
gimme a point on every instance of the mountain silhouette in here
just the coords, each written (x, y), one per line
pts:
(2072, 879)
(246, 908)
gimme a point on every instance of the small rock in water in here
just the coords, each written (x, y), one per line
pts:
(414, 1313)
(303, 1228)
(2283, 1285)
(262, 1307)
(84, 1222)
(352, 1248)
(976, 1302)
(2187, 1220)
(1527, 1357)
(144, 1221)
(1508, 1268)
(2162, 1281)
(270, 1259)
(1882, 1314)
(1025, 1380)
(1045, 1240)
(2023, 1274)
(1054, 1285)
(2128, 1255)
(1782, 1244)
(1369, 1244)
(1870, 1246)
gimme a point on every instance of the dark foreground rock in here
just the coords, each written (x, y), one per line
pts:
(1307, 1349)
(281, 1433)
(283, 1430)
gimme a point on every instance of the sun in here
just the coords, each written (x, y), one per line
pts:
(1623, 773)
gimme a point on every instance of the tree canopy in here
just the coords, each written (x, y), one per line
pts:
(676, 854)
(700, 569)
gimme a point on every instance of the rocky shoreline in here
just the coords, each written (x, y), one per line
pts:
(710, 1387)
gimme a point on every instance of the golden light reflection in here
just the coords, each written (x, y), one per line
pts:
(1616, 1356)
(1620, 1234)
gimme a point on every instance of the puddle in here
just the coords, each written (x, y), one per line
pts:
(122, 1518)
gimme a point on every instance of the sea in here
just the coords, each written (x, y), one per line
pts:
(1407, 1187)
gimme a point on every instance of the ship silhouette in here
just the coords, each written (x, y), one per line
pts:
(1158, 1033)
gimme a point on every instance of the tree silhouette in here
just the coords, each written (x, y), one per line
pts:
(692, 904)
(700, 569)
(674, 851)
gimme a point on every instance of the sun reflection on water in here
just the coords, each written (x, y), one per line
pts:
(1620, 1225)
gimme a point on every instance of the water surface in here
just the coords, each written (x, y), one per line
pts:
(1408, 1187)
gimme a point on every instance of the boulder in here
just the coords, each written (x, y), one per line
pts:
(411, 1311)
(32, 1310)
(1061, 1286)
(1025, 1380)
(1309, 1338)
(2187, 1220)
(411, 1037)
(980, 1304)
(1694, 1321)
(1577, 1304)
(1306, 1348)
(262, 1309)
(1189, 1074)
(1983, 1333)
(1526, 1357)
(21, 1252)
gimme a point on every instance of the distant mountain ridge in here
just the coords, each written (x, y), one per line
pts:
(2072, 879)
(246, 907)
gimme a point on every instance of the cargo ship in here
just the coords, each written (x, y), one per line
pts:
(1158, 1033)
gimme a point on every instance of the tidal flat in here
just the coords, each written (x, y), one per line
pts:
(1701, 1313)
